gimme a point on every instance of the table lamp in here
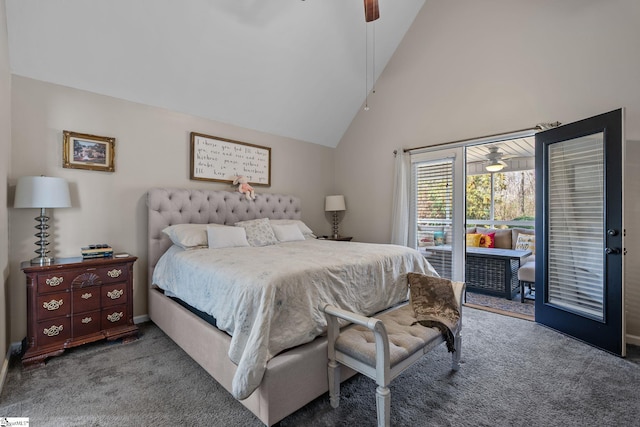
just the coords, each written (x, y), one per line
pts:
(334, 204)
(42, 192)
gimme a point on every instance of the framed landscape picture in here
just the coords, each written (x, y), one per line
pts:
(84, 151)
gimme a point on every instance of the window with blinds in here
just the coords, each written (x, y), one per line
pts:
(575, 277)
(433, 184)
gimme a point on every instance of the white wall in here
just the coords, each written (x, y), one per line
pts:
(5, 156)
(467, 69)
(632, 241)
(152, 149)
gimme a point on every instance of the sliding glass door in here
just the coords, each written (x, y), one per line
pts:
(437, 211)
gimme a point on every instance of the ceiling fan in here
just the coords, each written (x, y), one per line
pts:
(495, 160)
(371, 10)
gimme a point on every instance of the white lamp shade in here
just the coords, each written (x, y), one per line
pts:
(42, 192)
(334, 203)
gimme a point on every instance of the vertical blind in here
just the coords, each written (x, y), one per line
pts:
(576, 225)
(433, 184)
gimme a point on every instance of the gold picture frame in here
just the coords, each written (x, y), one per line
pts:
(90, 152)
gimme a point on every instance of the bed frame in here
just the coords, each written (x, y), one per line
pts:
(293, 378)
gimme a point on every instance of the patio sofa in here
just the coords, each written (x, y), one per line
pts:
(491, 271)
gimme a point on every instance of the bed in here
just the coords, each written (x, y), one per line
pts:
(271, 373)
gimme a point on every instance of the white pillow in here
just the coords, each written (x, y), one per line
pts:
(301, 225)
(259, 232)
(226, 237)
(287, 232)
(187, 236)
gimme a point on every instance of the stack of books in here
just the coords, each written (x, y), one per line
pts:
(96, 251)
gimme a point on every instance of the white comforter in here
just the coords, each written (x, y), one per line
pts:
(268, 298)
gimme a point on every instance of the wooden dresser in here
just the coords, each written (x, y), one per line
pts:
(74, 301)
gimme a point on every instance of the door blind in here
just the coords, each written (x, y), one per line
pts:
(433, 183)
(576, 225)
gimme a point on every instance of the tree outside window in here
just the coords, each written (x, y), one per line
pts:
(513, 196)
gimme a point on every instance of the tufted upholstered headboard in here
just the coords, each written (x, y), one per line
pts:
(169, 206)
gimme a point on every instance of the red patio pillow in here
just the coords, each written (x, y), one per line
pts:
(488, 240)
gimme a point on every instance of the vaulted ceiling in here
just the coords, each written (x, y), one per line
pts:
(292, 68)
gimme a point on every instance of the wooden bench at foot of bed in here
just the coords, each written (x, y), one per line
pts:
(382, 347)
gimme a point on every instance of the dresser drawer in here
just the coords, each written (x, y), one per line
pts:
(113, 294)
(86, 299)
(54, 282)
(86, 323)
(93, 276)
(53, 331)
(114, 316)
(114, 273)
(53, 305)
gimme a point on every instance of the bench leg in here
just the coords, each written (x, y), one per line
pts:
(455, 356)
(383, 405)
(334, 383)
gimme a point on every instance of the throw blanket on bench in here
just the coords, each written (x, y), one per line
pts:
(435, 305)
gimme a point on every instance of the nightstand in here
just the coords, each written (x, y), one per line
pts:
(339, 238)
(74, 301)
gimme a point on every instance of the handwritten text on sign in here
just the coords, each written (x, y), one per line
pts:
(216, 159)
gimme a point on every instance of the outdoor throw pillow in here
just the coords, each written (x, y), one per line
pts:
(526, 242)
(488, 240)
(473, 240)
(434, 305)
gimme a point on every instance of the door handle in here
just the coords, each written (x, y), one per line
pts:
(612, 251)
(612, 232)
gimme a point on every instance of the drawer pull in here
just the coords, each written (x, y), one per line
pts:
(53, 330)
(52, 305)
(115, 294)
(114, 273)
(86, 296)
(115, 316)
(86, 320)
(54, 281)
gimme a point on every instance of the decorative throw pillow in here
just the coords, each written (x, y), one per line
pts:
(438, 238)
(434, 305)
(503, 238)
(188, 236)
(306, 231)
(526, 242)
(426, 238)
(226, 237)
(259, 232)
(488, 240)
(473, 240)
(287, 232)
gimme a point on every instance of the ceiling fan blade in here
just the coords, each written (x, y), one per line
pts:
(371, 10)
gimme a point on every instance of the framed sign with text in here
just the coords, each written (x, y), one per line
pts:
(221, 160)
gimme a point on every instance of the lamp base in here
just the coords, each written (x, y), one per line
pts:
(42, 243)
(41, 260)
(335, 224)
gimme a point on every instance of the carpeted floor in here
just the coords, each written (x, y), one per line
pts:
(514, 372)
(523, 310)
